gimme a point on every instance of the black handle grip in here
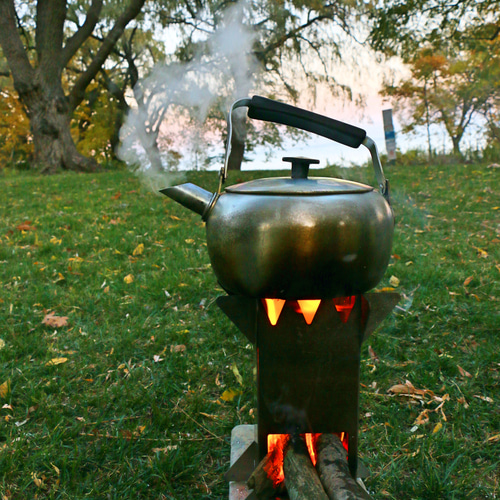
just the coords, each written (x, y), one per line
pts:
(268, 110)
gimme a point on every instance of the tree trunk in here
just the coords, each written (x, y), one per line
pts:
(50, 123)
(456, 144)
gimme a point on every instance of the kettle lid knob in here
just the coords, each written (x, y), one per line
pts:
(300, 165)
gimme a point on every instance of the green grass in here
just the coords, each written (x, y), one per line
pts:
(135, 411)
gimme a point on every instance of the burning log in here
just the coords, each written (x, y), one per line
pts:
(301, 479)
(333, 470)
(261, 481)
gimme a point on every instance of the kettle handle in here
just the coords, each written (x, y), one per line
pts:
(261, 108)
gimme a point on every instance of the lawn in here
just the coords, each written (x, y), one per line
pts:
(120, 378)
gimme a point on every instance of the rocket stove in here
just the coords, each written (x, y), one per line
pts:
(308, 361)
(297, 256)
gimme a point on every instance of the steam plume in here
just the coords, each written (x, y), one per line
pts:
(176, 95)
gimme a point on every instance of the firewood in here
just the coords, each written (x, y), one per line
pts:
(261, 483)
(334, 472)
(301, 479)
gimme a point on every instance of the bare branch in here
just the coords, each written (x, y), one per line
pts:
(83, 32)
(78, 91)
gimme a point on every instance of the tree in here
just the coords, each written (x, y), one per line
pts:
(452, 49)
(37, 68)
(239, 40)
(399, 27)
(447, 90)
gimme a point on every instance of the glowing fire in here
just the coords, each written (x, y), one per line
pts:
(344, 306)
(308, 308)
(276, 446)
(273, 309)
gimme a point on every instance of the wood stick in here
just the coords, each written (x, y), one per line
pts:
(301, 479)
(261, 483)
(334, 472)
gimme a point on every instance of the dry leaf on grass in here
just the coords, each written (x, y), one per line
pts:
(484, 398)
(56, 361)
(373, 355)
(55, 321)
(393, 281)
(463, 372)
(437, 428)
(128, 279)
(26, 226)
(4, 389)
(230, 394)
(237, 374)
(409, 389)
(177, 348)
(423, 418)
(468, 280)
(139, 249)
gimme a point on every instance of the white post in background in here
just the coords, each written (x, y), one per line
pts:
(390, 135)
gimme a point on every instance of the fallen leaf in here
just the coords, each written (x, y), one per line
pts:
(484, 398)
(5, 389)
(55, 321)
(189, 240)
(463, 372)
(483, 254)
(393, 281)
(26, 226)
(237, 374)
(55, 241)
(129, 278)
(2, 344)
(58, 472)
(208, 415)
(230, 394)
(174, 217)
(56, 361)
(177, 348)
(410, 389)
(423, 418)
(139, 249)
(157, 358)
(437, 428)
(140, 429)
(468, 280)
(373, 355)
(38, 482)
(116, 196)
(463, 401)
(494, 439)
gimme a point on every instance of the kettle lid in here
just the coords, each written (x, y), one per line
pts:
(299, 184)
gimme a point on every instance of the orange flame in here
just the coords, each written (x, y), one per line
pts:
(344, 306)
(276, 445)
(273, 309)
(308, 308)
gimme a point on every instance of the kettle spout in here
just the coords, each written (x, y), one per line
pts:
(193, 197)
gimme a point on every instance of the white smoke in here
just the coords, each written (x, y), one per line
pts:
(173, 102)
